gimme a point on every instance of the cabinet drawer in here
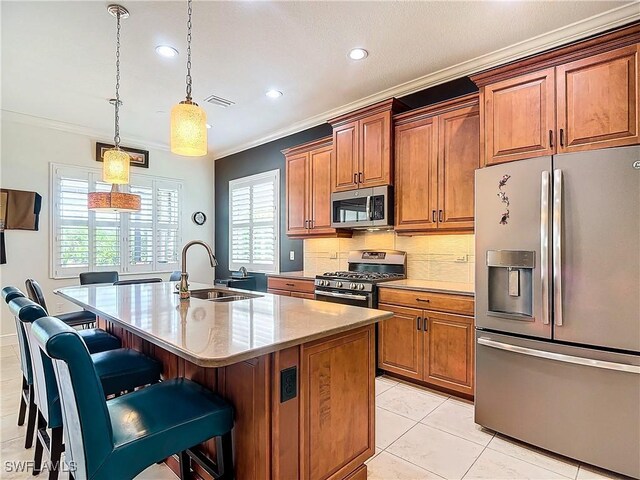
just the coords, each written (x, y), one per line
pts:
(277, 283)
(428, 301)
(278, 292)
(308, 296)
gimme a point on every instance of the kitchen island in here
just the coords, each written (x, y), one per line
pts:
(300, 373)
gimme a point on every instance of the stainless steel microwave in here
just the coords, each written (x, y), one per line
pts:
(363, 208)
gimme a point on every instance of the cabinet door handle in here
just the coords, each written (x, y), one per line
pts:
(360, 177)
(433, 216)
(562, 137)
(290, 284)
(426, 300)
(550, 138)
(440, 216)
(425, 325)
(355, 178)
(419, 323)
(306, 224)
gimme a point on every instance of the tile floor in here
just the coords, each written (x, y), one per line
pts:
(420, 434)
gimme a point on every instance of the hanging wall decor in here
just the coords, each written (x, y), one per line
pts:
(137, 157)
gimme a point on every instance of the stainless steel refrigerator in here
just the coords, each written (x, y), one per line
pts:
(558, 304)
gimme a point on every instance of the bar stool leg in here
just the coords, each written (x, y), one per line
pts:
(55, 452)
(37, 456)
(23, 404)
(185, 465)
(31, 419)
(224, 454)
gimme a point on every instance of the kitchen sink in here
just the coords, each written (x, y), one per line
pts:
(219, 295)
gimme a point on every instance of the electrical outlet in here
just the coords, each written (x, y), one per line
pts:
(59, 307)
(334, 255)
(288, 384)
(462, 258)
(292, 255)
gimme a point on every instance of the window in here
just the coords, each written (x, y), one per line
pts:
(254, 222)
(82, 240)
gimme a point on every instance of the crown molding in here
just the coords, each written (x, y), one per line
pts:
(608, 20)
(32, 120)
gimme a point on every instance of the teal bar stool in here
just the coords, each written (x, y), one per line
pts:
(27, 395)
(120, 370)
(119, 438)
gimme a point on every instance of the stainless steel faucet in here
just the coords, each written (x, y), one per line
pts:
(184, 276)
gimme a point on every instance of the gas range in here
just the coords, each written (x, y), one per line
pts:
(357, 281)
(357, 286)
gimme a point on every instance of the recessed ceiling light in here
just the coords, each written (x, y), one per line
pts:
(273, 93)
(208, 126)
(358, 54)
(166, 51)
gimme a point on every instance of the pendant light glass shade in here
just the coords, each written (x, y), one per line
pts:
(116, 166)
(188, 130)
(114, 201)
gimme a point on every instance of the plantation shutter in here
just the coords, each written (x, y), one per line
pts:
(145, 241)
(106, 244)
(70, 225)
(254, 222)
(168, 241)
(140, 227)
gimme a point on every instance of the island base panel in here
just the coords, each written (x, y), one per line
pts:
(335, 381)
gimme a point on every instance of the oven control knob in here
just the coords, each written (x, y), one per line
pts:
(324, 283)
(338, 284)
(353, 286)
(361, 287)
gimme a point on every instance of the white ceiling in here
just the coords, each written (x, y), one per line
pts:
(58, 57)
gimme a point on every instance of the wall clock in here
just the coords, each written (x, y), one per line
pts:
(199, 218)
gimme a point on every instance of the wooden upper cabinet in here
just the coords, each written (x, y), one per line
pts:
(362, 145)
(598, 101)
(448, 358)
(308, 190)
(297, 193)
(375, 151)
(320, 197)
(437, 152)
(400, 343)
(583, 96)
(519, 117)
(346, 147)
(416, 174)
(458, 158)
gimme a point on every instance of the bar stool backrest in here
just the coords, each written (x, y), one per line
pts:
(89, 278)
(44, 383)
(138, 281)
(34, 290)
(87, 426)
(10, 294)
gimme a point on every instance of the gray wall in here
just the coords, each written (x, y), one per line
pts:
(269, 157)
(250, 162)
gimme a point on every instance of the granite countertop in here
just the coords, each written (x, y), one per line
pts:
(216, 334)
(293, 275)
(430, 286)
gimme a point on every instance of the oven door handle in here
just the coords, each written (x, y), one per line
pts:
(340, 295)
(369, 212)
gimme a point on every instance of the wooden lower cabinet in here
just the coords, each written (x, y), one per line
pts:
(448, 351)
(400, 343)
(429, 346)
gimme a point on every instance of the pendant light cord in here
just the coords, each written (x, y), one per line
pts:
(116, 137)
(189, 12)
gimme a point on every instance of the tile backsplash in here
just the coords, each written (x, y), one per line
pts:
(443, 258)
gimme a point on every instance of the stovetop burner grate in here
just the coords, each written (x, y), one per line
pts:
(363, 275)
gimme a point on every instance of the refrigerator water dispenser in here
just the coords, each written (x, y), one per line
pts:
(510, 283)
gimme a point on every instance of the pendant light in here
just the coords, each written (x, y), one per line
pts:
(188, 120)
(115, 169)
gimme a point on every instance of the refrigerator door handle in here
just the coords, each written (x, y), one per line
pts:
(544, 244)
(559, 357)
(557, 246)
